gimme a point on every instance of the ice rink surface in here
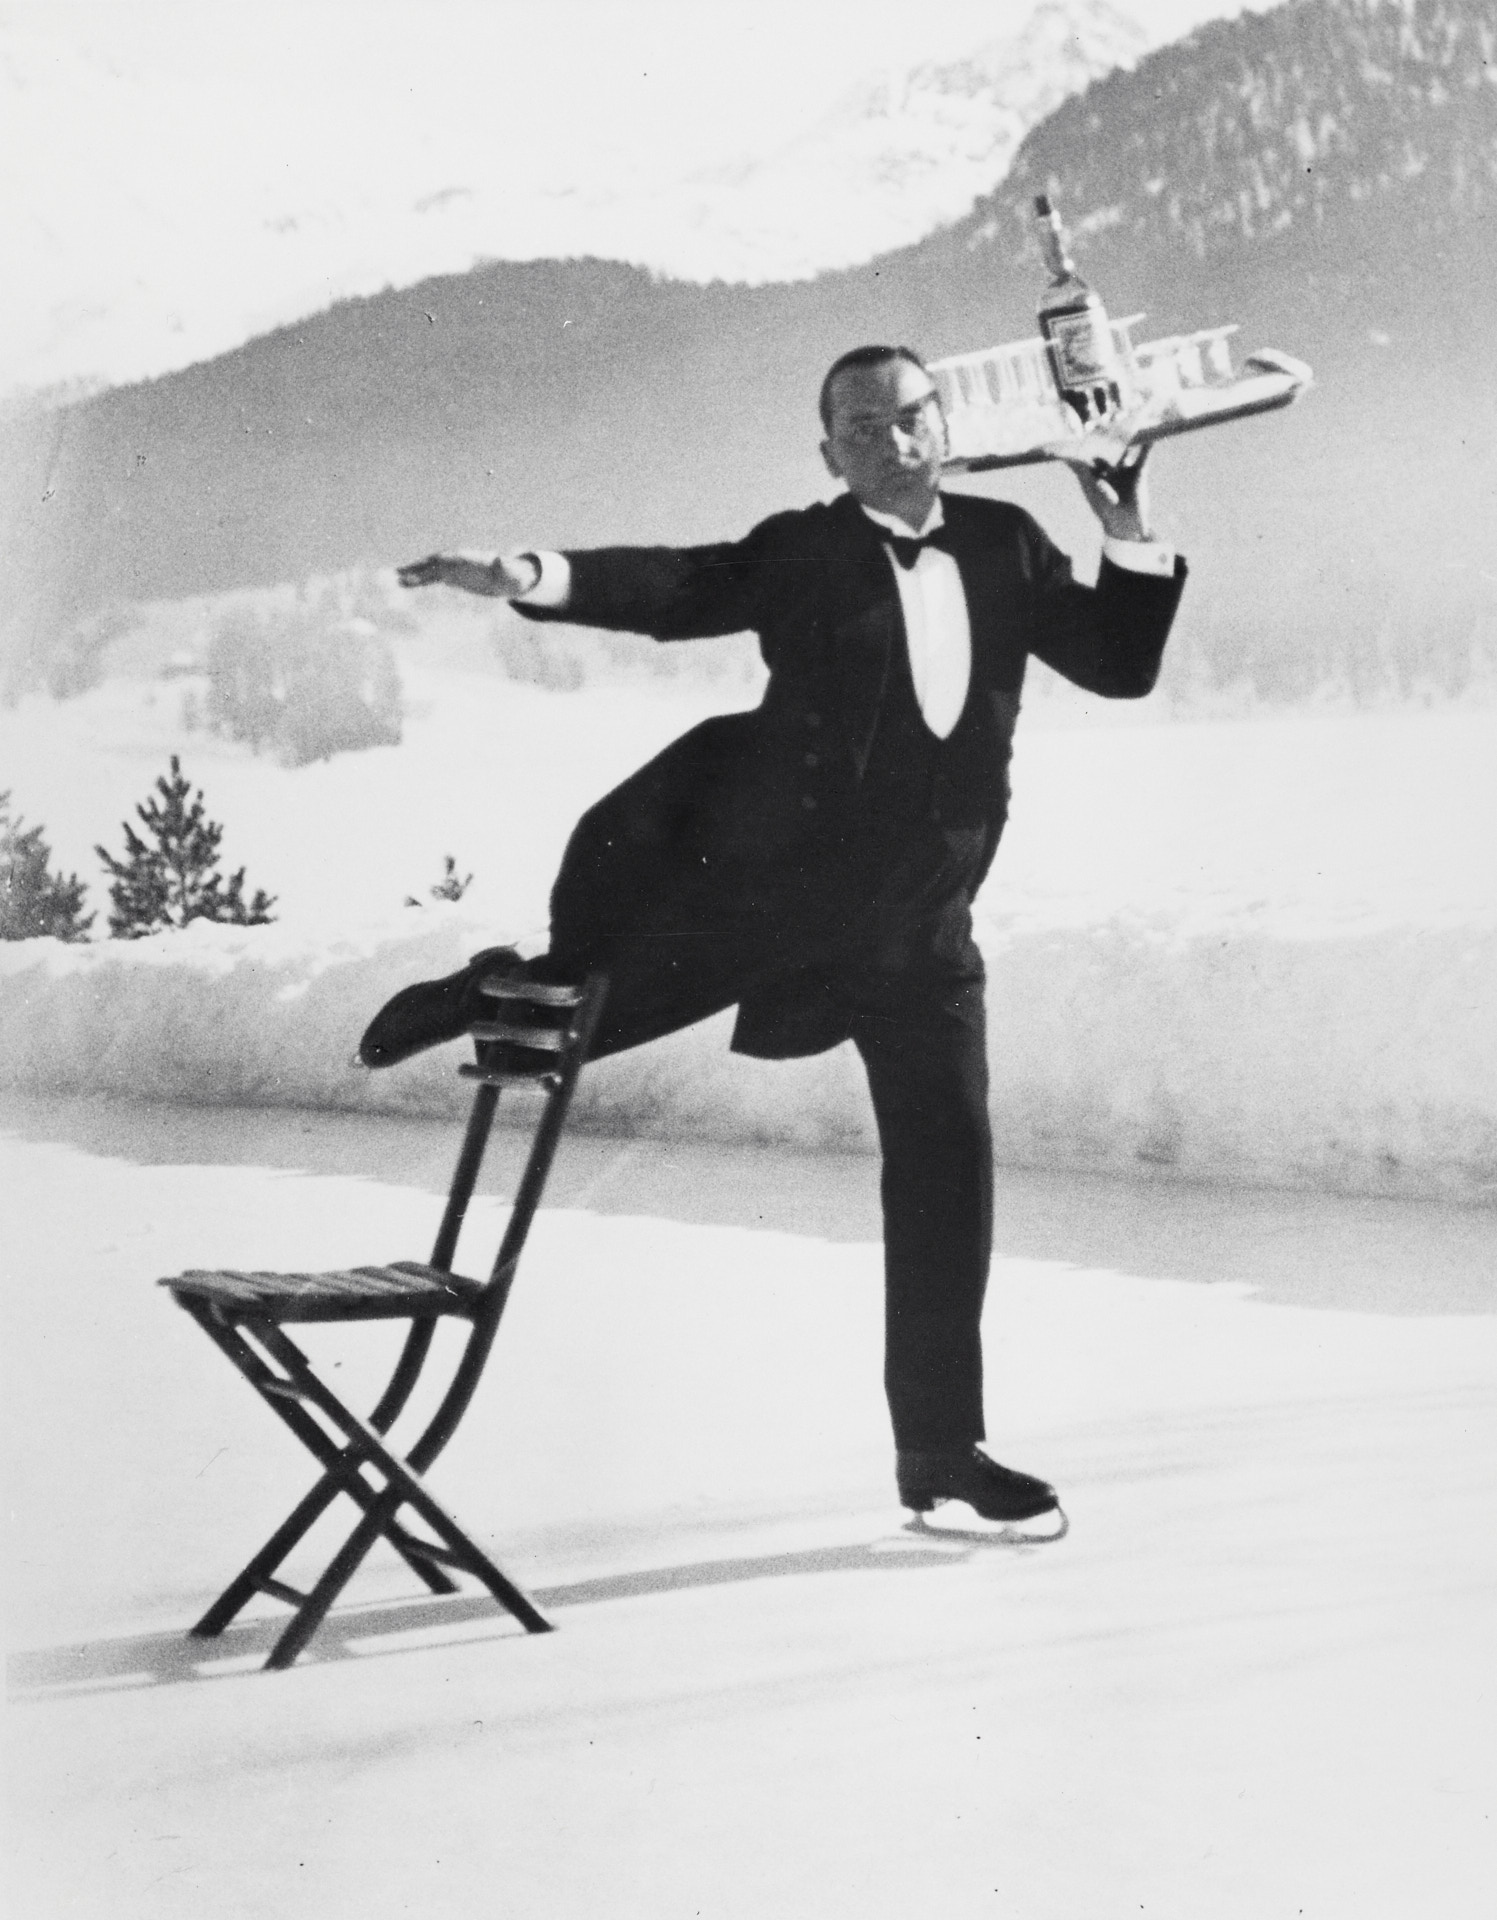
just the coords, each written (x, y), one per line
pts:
(1256, 1679)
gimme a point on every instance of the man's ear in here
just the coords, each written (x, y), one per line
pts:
(831, 461)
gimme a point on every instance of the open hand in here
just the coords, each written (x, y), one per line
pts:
(500, 576)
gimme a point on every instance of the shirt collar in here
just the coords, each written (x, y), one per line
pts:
(892, 524)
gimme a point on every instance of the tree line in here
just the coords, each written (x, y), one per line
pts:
(169, 874)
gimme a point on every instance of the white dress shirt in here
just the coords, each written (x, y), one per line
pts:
(937, 630)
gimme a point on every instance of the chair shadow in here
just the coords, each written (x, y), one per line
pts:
(172, 1658)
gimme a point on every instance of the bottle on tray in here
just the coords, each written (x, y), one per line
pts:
(1078, 335)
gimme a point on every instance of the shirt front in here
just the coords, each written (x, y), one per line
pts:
(937, 631)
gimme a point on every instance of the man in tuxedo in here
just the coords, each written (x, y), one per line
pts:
(814, 862)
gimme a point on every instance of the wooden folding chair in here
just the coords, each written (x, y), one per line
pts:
(540, 1039)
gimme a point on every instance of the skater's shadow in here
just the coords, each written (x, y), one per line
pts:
(393, 1627)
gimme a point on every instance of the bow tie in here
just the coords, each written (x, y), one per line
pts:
(907, 549)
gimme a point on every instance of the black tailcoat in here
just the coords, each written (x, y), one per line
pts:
(750, 795)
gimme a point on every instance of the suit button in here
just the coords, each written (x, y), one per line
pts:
(808, 801)
(813, 760)
(813, 719)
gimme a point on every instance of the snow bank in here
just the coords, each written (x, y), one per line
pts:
(1256, 949)
(1358, 1055)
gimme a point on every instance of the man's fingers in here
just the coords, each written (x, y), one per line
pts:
(1119, 479)
(1130, 468)
(420, 573)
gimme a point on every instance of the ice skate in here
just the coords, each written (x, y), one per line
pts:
(978, 1498)
(431, 1011)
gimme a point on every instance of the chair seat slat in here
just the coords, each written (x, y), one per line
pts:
(403, 1287)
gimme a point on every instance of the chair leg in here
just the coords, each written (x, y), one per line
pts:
(342, 1475)
(403, 1487)
(259, 1574)
(313, 1610)
(300, 1521)
(364, 1447)
(378, 1522)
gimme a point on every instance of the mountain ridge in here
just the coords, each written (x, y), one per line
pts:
(893, 158)
(507, 402)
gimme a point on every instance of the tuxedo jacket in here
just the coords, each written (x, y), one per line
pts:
(748, 793)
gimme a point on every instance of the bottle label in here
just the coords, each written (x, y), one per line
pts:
(1083, 348)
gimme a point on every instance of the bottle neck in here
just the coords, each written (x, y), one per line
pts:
(1052, 237)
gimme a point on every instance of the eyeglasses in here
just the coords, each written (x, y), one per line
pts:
(917, 420)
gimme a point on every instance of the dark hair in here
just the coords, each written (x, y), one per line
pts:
(861, 357)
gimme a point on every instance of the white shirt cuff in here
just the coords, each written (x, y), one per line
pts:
(1141, 556)
(554, 587)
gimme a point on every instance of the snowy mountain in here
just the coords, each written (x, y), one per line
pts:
(904, 152)
(181, 211)
(1277, 124)
(508, 401)
(1326, 175)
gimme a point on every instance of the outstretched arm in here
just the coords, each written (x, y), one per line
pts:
(670, 593)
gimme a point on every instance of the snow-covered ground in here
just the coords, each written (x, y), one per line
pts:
(1256, 1679)
(1257, 949)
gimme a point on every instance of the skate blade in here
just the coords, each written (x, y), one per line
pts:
(992, 1533)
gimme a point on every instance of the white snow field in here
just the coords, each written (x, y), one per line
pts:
(1256, 1679)
(1257, 949)
(1246, 962)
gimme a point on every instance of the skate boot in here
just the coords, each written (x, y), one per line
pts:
(431, 1011)
(994, 1493)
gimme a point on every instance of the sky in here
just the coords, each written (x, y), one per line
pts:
(182, 176)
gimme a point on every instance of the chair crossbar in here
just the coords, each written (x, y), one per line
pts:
(542, 1077)
(244, 1312)
(429, 1549)
(535, 993)
(278, 1590)
(535, 1039)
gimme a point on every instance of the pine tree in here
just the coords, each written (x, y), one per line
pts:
(175, 878)
(33, 899)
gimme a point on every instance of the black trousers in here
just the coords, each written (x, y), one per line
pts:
(908, 983)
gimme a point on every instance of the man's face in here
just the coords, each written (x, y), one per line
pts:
(887, 438)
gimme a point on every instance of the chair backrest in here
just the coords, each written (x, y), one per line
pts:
(539, 1038)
